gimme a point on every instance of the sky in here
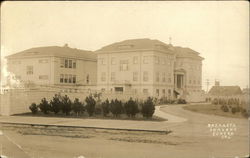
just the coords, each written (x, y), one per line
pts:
(218, 30)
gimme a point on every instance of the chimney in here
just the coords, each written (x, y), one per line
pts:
(217, 83)
(66, 45)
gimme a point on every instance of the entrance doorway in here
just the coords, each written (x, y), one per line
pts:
(118, 89)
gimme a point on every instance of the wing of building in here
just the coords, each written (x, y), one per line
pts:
(149, 67)
(54, 66)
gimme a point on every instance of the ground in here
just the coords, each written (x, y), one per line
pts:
(185, 134)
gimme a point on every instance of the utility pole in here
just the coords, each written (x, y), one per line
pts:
(207, 82)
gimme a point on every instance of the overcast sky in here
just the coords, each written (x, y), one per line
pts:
(218, 30)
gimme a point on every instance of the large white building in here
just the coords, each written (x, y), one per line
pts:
(54, 66)
(149, 67)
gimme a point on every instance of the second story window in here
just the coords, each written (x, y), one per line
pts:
(145, 59)
(103, 76)
(157, 76)
(66, 63)
(145, 76)
(163, 77)
(113, 61)
(135, 76)
(157, 60)
(70, 78)
(29, 70)
(62, 62)
(74, 64)
(70, 64)
(74, 78)
(135, 59)
(65, 78)
(61, 78)
(124, 65)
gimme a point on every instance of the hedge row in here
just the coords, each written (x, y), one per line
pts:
(93, 105)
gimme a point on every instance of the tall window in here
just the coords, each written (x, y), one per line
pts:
(61, 78)
(135, 76)
(112, 76)
(135, 59)
(145, 91)
(157, 76)
(29, 70)
(66, 78)
(163, 61)
(74, 78)
(70, 63)
(163, 92)
(163, 77)
(74, 64)
(103, 76)
(66, 63)
(124, 65)
(145, 76)
(70, 78)
(157, 60)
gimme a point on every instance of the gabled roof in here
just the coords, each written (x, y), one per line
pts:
(225, 90)
(136, 44)
(64, 51)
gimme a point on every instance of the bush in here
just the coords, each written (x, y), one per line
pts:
(215, 101)
(77, 107)
(105, 108)
(116, 107)
(148, 108)
(33, 108)
(244, 113)
(181, 101)
(56, 104)
(44, 106)
(66, 105)
(131, 108)
(224, 108)
(98, 106)
(90, 105)
(233, 110)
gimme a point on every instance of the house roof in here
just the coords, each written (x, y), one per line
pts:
(64, 51)
(225, 90)
(136, 44)
(186, 52)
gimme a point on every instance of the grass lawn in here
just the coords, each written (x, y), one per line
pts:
(138, 117)
(212, 109)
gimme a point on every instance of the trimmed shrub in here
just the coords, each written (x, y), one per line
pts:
(215, 101)
(105, 108)
(116, 107)
(66, 105)
(77, 107)
(90, 105)
(56, 104)
(181, 101)
(131, 108)
(233, 110)
(244, 113)
(33, 108)
(148, 108)
(44, 106)
(224, 108)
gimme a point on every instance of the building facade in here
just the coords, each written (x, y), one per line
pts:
(54, 66)
(149, 67)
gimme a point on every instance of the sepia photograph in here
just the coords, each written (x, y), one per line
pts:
(124, 79)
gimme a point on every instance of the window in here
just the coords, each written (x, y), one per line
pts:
(157, 76)
(66, 63)
(112, 76)
(74, 78)
(70, 63)
(145, 76)
(62, 63)
(163, 92)
(135, 76)
(135, 59)
(43, 77)
(163, 77)
(29, 70)
(113, 61)
(124, 65)
(145, 59)
(157, 60)
(70, 78)
(163, 61)
(169, 77)
(103, 61)
(157, 92)
(65, 78)
(145, 91)
(74, 64)
(103, 76)
(61, 78)
(43, 61)
(87, 79)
